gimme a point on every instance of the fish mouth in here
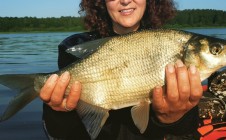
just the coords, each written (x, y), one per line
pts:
(127, 11)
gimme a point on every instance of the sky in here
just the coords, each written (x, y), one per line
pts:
(58, 8)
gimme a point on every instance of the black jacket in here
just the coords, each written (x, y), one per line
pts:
(119, 125)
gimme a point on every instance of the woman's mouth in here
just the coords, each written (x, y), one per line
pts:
(127, 11)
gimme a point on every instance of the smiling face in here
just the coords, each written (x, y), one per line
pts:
(126, 14)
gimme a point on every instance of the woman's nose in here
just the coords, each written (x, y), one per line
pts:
(125, 2)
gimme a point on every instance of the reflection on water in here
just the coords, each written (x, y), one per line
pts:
(35, 53)
(29, 53)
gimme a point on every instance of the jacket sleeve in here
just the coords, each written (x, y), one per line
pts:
(65, 125)
(187, 125)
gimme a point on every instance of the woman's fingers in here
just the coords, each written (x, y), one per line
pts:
(196, 87)
(182, 81)
(47, 89)
(183, 91)
(69, 103)
(172, 94)
(59, 90)
(53, 92)
(158, 98)
(74, 96)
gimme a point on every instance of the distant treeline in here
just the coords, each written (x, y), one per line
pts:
(26, 24)
(184, 18)
(199, 18)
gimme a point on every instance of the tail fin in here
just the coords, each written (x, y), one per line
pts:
(24, 84)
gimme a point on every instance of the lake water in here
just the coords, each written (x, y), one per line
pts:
(35, 53)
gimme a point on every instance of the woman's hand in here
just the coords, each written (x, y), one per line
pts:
(52, 93)
(183, 92)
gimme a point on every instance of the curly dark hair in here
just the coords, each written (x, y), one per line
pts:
(96, 17)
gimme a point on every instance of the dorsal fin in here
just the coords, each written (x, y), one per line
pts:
(85, 49)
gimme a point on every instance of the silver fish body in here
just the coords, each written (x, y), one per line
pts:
(122, 71)
(126, 68)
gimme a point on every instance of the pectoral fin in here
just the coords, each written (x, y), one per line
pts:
(93, 117)
(140, 115)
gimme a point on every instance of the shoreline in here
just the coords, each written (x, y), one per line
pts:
(25, 32)
(77, 31)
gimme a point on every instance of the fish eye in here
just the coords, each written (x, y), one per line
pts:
(216, 48)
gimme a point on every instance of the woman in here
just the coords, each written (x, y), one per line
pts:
(169, 113)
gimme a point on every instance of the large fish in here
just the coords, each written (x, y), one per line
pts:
(121, 71)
